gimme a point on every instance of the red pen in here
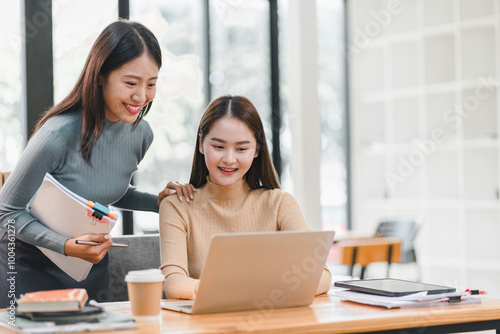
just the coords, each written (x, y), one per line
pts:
(476, 292)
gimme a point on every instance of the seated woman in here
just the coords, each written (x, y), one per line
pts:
(238, 192)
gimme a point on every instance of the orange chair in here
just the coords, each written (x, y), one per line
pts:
(364, 251)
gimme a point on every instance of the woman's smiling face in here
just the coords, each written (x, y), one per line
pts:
(129, 88)
(229, 148)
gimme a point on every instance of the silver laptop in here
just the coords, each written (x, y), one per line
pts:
(259, 271)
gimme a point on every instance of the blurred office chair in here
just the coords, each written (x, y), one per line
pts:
(363, 251)
(143, 252)
(406, 230)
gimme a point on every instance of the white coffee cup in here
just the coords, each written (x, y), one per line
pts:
(145, 289)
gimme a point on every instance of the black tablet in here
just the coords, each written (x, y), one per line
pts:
(392, 287)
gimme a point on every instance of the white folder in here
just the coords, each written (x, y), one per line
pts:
(69, 215)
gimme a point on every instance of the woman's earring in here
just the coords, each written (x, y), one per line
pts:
(255, 155)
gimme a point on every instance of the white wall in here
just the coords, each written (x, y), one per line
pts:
(304, 109)
(425, 125)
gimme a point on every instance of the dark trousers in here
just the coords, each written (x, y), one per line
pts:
(25, 268)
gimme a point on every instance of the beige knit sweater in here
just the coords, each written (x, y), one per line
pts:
(186, 228)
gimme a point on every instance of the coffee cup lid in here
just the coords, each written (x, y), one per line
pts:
(144, 276)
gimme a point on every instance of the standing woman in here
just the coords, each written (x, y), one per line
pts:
(92, 143)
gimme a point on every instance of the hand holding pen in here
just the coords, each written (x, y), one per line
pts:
(93, 253)
(93, 243)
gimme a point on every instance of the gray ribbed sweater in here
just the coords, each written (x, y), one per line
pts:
(54, 149)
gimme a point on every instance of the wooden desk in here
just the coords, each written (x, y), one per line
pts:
(328, 314)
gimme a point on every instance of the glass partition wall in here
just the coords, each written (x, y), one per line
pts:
(11, 116)
(210, 48)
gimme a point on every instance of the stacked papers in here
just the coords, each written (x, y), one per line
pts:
(108, 321)
(421, 299)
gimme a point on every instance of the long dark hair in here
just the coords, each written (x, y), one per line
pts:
(262, 173)
(119, 43)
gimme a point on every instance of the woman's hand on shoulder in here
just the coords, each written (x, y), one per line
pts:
(92, 254)
(183, 190)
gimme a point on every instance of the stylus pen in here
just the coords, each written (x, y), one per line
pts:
(93, 243)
